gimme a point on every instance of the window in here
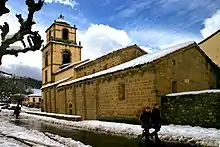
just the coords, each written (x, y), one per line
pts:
(66, 57)
(33, 100)
(65, 34)
(39, 99)
(46, 58)
(174, 86)
(121, 91)
(70, 109)
(46, 76)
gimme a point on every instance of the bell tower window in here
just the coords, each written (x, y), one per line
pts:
(66, 57)
(46, 59)
(65, 34)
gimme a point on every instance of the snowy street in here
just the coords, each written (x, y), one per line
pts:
(12, 135)
(47, 131)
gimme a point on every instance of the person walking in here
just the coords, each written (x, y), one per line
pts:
(156, 122)
(145, 119)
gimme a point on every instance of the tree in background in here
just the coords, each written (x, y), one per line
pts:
(34, 40)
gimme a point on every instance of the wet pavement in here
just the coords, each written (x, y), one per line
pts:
(89, 138)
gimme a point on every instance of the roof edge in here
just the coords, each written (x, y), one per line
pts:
(204, 40)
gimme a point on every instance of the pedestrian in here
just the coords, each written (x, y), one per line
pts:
(156, 122)
(145, 119)
(17, 111)
(142, 123)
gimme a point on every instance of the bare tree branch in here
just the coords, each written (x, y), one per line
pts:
(34, 39)
(3, 9)
(37, 42)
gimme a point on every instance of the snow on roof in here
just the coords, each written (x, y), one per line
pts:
(138, 61)
(55, 83)
(112, 51)
(194, 92)
(36, 92)
(64, 43)
(72, 64)
(62, 20)
(83, 63)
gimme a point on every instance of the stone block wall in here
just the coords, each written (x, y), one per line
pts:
(189, 68)
(196, 110)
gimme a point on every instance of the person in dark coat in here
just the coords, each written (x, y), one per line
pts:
(156, 122)
(17, 111)
(145, 119)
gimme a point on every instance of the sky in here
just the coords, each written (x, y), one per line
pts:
(105, 25)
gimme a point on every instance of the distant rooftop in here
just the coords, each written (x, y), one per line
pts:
(36, 92)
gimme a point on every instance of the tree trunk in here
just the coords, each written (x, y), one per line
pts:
(0, 59)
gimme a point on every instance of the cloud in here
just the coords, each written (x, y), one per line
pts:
(71, 3)
(211, 25)
(23, 70)
(99, 39)
(157, 38)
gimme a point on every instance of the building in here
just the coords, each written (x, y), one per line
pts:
(121, 82)
(211, 46)
(34, 100)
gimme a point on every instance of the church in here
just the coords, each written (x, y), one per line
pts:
(121, 82)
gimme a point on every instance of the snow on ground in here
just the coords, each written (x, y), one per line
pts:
(6, 112)
(66, 141)
(23, 108)
(8, 142)
(186, 134)
(10, 130)
(55, 114)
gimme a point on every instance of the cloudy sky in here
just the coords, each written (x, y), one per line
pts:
(104, 25)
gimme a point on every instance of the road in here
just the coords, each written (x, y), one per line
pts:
(89, 138)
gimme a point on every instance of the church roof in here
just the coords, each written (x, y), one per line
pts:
(56, 83)
(71, 65)
(148, 58)
(112, 52)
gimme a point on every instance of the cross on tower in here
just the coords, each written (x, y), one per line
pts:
(61, 16)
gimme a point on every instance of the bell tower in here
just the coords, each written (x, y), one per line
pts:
(60, 50)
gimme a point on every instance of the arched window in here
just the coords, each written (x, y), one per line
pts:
(66, 57)
(70, 108)
(65, 34)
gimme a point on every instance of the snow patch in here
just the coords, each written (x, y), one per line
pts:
(62, 20)
(54, 114)
(194, 92)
